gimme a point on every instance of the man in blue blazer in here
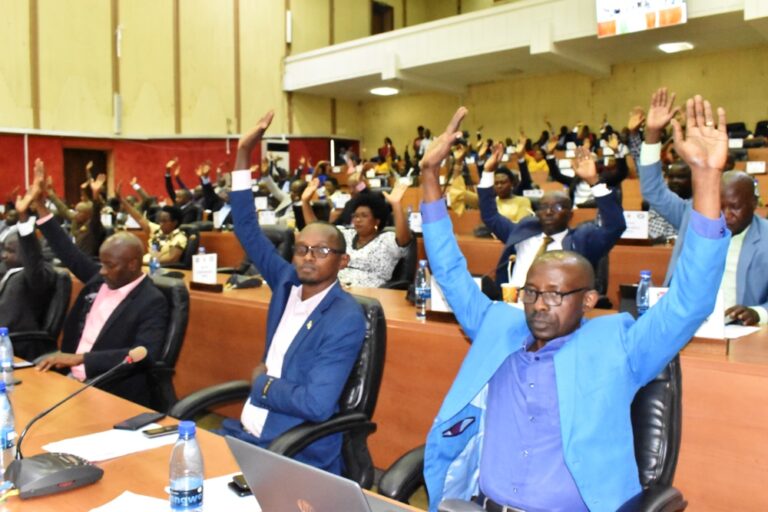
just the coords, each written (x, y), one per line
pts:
(538, 417)
(548, 230)
(314, 328)
(744, 286)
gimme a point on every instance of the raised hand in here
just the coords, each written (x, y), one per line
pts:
(636, 119)
(459, 153)
(171, 163)
(88, 167)
(705, 145)
(177, 171)
(310, 190)
(394, 197)
(249, 140)
(97, 184)
(134, 181)
(584, 166)
(22, 205)
(660, 113)
(440, 147)
(613, 142)
(493, 161)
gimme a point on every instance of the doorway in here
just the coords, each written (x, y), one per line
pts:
(75, 174)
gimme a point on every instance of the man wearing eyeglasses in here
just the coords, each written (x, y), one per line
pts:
(538, 417)
(314, 328)
(548, 230)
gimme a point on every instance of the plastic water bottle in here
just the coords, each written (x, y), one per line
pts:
(154, 262)
(201, 250)
(7, 430)
(422, 290)
(643, 291)
(186, 471)
(6, 357)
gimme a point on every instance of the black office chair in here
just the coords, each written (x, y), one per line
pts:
(193, 244)
(356, 404)
(656, 424)
(405, 270)
(163, 368)
(322, 209)
(737, 130)
(283, 240)
(761, 129)
(30, 345)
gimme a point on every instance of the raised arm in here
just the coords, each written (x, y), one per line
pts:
(142, 193)
(445, 259)
(39, 276)
(660, 333)
(499, 225)
(168, 183)
(133, 212)
(402, 233)
(306, 198)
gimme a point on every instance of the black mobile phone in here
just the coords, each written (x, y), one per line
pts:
(161, 431)
(136, 422)
(239, 486)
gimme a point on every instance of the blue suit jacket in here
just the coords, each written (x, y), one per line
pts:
(597, 372)
(321, 356)
(590, 240)
(751, 284)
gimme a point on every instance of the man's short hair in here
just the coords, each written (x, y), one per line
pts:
(340, 240)
(506, 172)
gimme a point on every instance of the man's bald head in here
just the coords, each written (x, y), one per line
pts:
(738, 200)
(332, 232)
(120, 256)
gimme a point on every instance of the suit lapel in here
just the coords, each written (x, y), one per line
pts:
(748, 250)
(119, 310)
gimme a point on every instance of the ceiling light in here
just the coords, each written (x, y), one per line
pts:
(675, 47)
(384, 91)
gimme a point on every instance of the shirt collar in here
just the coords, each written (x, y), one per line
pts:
(302, 307)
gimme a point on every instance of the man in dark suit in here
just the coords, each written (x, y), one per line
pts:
(548, 230)
(118, 309)
(314, 328)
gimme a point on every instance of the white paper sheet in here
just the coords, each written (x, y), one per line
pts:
(130, 502)
(734, 331)
(109, 444)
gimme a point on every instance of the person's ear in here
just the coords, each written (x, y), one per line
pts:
(590, 299)
(343, 261)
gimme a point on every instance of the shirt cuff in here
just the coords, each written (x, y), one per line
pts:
(136, 186)
(762, 313)
(486, 180)
(600, 190)
(26, 228)
(434, 211)
(241, 180)
(650, 153)
(45, 219)
(706, 227)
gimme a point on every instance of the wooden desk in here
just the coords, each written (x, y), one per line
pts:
(93, 411)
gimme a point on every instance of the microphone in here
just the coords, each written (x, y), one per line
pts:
(50, 473)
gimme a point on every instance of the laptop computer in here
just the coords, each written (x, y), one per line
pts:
(286, 485)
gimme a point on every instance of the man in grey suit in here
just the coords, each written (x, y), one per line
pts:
(744, 284)
(27, 283)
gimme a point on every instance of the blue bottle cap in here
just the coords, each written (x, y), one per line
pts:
(645, 273)
(3, 387)
(3, 331)
(422, 263)
(187, 429)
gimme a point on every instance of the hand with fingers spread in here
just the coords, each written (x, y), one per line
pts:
(98, 184)
(636, 119)
(171, 163)
(437, 151)
(249, 141)
(584, 166)
(394, 197)
(309, 190)
(660, 113)
(493, 161)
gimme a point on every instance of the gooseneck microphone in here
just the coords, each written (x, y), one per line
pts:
(49, 473)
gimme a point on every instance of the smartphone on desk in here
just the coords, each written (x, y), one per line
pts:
(139, 421)
(160, 431)
(239, 486)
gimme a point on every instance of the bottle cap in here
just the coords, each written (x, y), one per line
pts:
(422, 263)
(645, 273)
(187, 429)
(3, 331)
(3, 387)
(201, 250)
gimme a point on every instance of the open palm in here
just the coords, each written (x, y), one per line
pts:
(440, 147)
(397, 193)
(705, 146)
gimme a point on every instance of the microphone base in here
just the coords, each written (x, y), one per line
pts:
(51, 473)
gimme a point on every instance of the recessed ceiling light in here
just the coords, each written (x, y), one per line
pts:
(384, 91)
(675, 47)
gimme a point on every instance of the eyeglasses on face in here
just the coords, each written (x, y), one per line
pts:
(317, 252)
(556, 207)
(531, 295)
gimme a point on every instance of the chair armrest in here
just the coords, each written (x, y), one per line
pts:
(30, 345)
(404, 476)
(459, 506)
(292, 441)
(190, 406)
(656, 499)
(396, 285)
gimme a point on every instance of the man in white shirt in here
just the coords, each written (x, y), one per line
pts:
(314, 328)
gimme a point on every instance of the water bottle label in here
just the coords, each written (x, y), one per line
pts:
(7, 438)
(423, 292)
(186, 500)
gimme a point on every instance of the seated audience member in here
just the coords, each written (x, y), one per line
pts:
(524, 424)
(166, 235)
(373, 253)
(212, 200)
(509, 201)
(26, 280)
(357, 185)
(314, 328)
(118, 308)
(182, 198)
(85, 220)
(744, 285)
(8, 225)
(548, 230)
(332, 190)
(387, 151)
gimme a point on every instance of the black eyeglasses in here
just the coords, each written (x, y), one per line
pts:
(557, 207)
(531, 295)
(317, 252)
